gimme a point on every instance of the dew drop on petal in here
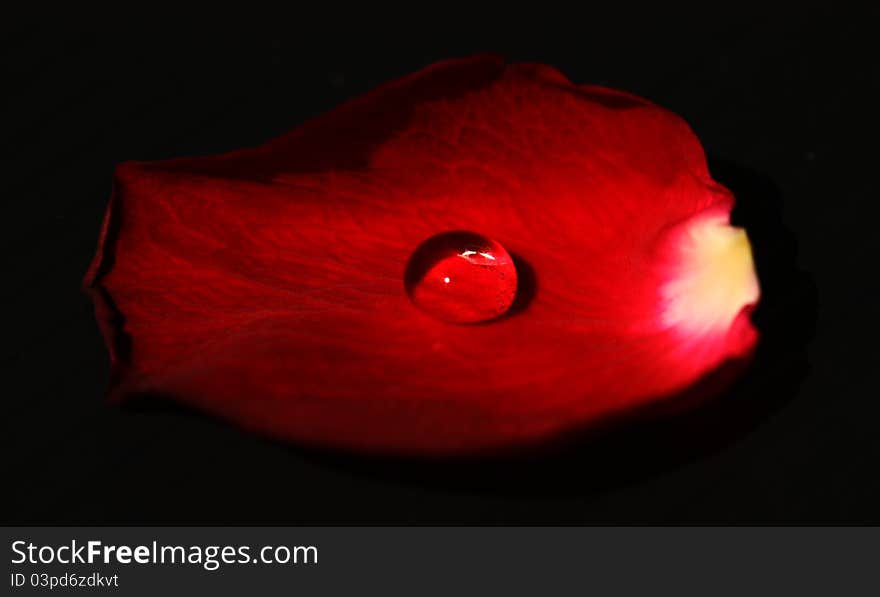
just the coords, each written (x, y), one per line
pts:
(461, 277)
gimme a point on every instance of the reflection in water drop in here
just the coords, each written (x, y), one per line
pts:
(461, 277)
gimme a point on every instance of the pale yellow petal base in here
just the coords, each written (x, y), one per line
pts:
(714, 280)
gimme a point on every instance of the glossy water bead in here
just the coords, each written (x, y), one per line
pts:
(461, 277)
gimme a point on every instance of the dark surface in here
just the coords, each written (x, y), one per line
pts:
(785, 106)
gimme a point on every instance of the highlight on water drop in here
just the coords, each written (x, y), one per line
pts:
(461, 277)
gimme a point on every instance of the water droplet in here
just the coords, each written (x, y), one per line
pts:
(461, 277)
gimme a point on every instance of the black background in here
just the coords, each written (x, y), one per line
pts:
(785, 105)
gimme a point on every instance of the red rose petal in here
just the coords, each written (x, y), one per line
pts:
(267, 285)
